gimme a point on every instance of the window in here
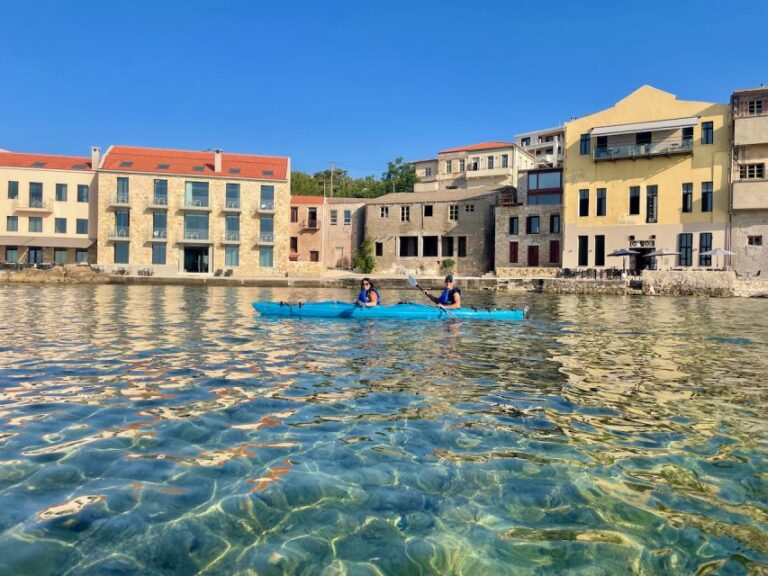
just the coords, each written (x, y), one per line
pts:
(428, 210)
(294, 244)
(754, 107)
(83, 192)
(584, 145)
(60, 255)
(379, 249)
(749, 171)
(462, 165)
(685, 247)
(267, 227)
(469, 208)
(121, 252)
(651, 204)
(232, 197)
(705, 245)
(122, 189)
(405, 213)
(267, 197)
(158, 254)
(554, 223)
(161, 192)
(634, 200)
(462, 246)
(232, 256)
(642, 138)
(11, 254)
(81, 255)
(601, 202)
(583, 250)
(583, 203)
(688, 136)
(754, 240)
(61, 192)
(707, 134)
(347, 217)
(409, 246)
(429, 246)
(266, 256)
(536, 199)
(490, 162)
(12, 223)
(601, 145)
(294, 213)
(196, 194)
(36, 194)
(453, 212)
(599, 250)
(81, 226)
(513, 226)
(196, 226)
(505, 160)
(60, 226)
(160, 224)
(532, 225)
(314, 256)
(706, 196)
(122, 222)
(35, 224)
(384, 212)
(554, 251)
(544, 180)
(525, 141)
(447, 166)
(334, 217)
(688, 197)
(427, 171)
(13, 189)
(513, 252)
(447, 246)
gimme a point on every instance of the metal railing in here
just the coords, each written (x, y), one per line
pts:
(159, 235)
(643, 150)
(196, 204)
(32, 204)
(120, 199)
(119, 233)
(232, 237)
(159, 201)
(232, 205)
(266, 238)
(267, 206)
(310, 225)
(195, 235)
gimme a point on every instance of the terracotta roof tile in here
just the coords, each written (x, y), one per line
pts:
(307, 200)
(44, 161)
(193, 163)
(481, 146)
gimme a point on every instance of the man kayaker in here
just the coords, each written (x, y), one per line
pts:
(450, 297)
(369, 295)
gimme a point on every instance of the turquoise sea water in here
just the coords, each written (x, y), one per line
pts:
(168, 430)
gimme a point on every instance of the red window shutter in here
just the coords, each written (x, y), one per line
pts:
(554, 251)
(513, 252)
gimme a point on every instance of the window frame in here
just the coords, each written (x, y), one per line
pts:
(584, 202)
(708, 193)
(687, 198)
(601, 203)
(708, 132)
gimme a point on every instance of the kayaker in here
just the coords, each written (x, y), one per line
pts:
(450, 297)
(369, 295)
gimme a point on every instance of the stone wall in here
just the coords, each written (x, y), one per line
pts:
(526, 272)
(688, 283)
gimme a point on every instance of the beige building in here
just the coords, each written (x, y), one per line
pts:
(546, 146)
(650, 173)
(47, 209)
(488, 165)
(528, 223)
(188, 212)
(304, 229)
(749, 200)
(422, 231)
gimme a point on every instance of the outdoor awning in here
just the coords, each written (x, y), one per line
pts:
(45, 241)
(645, 126)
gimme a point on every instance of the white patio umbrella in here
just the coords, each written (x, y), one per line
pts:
(623, 252)
(717, 252)
(661, 253)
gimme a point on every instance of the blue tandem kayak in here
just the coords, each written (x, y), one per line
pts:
(403, 311)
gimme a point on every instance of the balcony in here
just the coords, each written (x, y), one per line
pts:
(635, 151)
(487, 172)
(309, 225)
(119, 235)
(158, 203)
(266, 208)
(158, 236)
(232, 206)
(196, 206)
(266, 239)
(120, 200)
(231, 238)
(750, 130)
(750, 195)
(195, 237)
(33, 206)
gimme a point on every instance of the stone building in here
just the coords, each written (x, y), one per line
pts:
(305, 230)
(546, 146)
(422, 231)
(47, 208)
(187, 212)
(345, 230)
(487, 165)
(528, 224)
(749, 181)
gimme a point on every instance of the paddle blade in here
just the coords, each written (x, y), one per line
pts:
(412, 282)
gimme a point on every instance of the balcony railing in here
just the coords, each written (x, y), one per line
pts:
(199, 205)
(33, 205)
(200, 235)
(160, 202)
(158, 236)
(232, 206)
(310, 225)
(232, 238)
(266, 238)
(119, 234)
(120, 200)
(632, 151)
(266, 207)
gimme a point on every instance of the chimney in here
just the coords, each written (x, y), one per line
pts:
(217, 159)
(95, 157)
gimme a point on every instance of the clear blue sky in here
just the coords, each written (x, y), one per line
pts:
(358, 82)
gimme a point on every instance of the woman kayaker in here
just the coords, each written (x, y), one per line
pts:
(450, 297)
(369, 295)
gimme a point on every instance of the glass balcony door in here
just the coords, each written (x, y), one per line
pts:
(196, 226)
(196, 194)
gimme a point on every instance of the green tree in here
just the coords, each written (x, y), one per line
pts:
(364, 260)
(302, 184)
(400, 176)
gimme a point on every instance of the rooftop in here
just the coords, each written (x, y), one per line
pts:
(307, 200)
(193, 163)
(441, 196)
(44, 161)
(481, 146)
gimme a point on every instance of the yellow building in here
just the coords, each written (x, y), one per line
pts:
(48, 216)
(188, 212)
(650, 173)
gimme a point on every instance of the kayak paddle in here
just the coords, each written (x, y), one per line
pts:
(414, 284)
